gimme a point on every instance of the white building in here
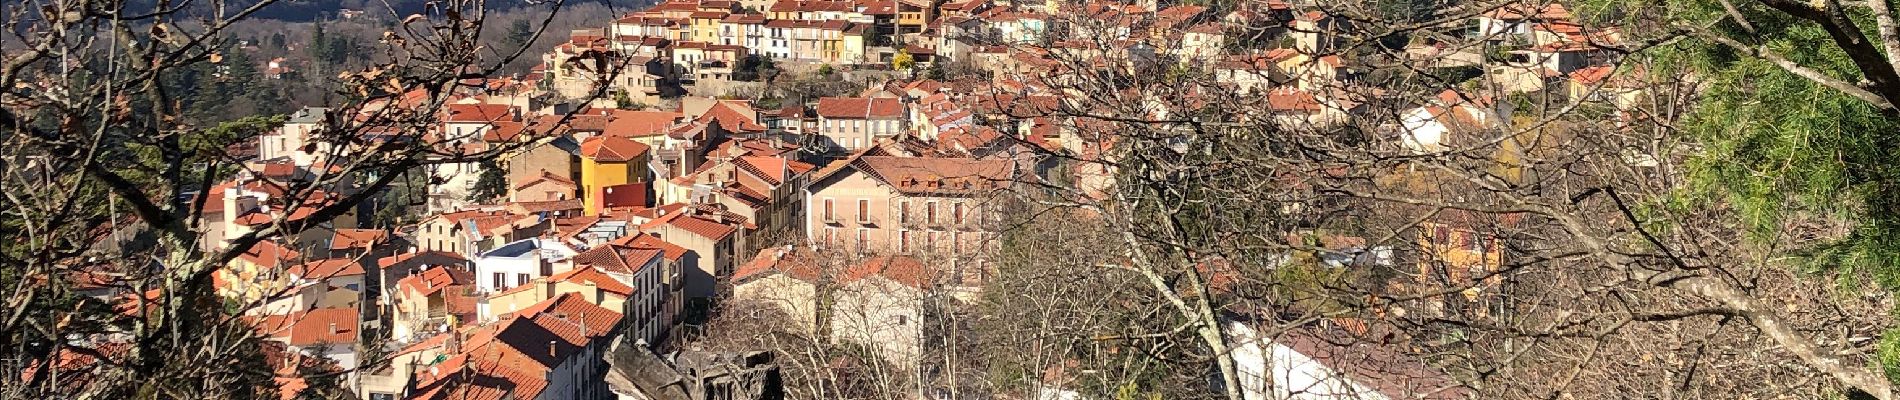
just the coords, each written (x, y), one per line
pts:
(520, 262)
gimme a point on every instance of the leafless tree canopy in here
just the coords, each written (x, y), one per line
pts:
(1544, 247)
(105, 174)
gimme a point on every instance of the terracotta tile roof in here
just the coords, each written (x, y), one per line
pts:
(633, 124)
(674, 5)
(773, 170)
(732, 117)
(534, 207)
(1171, 16)
(643, 240)
(1592, 75)
(547, 177)
(615, 258)
(613, 149)
(422, 259)
(744, 19)
(939, 176)
(322, 326)
(968, 139)
(860, 108)
(585, 275)
(874, 7)
(901, 269)
(73, 366)
(327, 268)
(702, 220)
(1292, 99)
(269, 254)
(572, 318)
(434, 280)
(789, 260)
(357, 238)
(478, 113)
(925, 85)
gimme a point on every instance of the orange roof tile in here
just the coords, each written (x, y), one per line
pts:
(793, 262)
(614, 149)
(703, 221)
(732, 118)
(357, 238)
(928, 175)
(632, 123)
(547, 177)
(901, 269)
(860, 107)
(643, 240)
(615, 258)
(322, 326)
(327, 268)
(269, 254)
(421, 259)
(478, 113)
(433, 280)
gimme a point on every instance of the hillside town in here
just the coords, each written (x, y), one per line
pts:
(654, 171)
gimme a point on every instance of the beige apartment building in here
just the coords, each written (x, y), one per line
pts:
(907, 205)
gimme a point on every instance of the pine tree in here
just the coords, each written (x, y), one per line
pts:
(491, 185)
(519, 33)
(319, 42)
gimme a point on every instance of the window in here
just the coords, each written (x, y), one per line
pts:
(828, 215)
(956, 213)
(864, 237)
(903, 319)
(930, 241)
(521, 279)
(930, 213)
(501, 281)
(903, 212)
(864, 210)
(831, 237)
(903, 241)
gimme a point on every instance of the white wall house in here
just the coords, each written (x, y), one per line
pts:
(520, 262)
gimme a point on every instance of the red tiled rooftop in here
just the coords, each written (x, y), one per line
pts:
(433, 280)
(613, 149)
(327, 268)
(860, 108)
(269, 254)
(357, 238)
(903, 270)
(794, 263)
(322, 326)
(478, 113)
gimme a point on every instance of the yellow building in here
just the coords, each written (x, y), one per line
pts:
(613, 173)
(705, 26)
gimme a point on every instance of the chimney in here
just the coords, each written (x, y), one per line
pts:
(551, 349)
(333, 328)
